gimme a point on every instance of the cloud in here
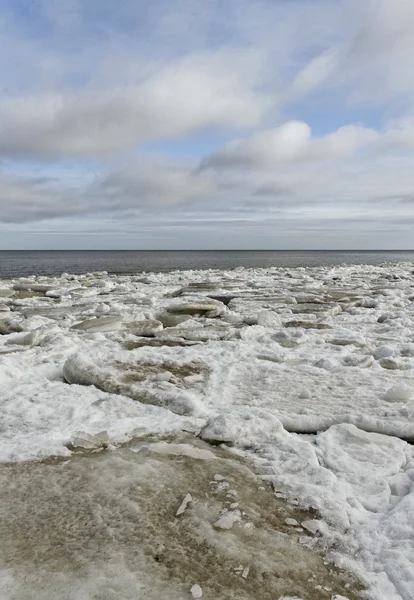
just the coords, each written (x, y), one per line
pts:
(141, 186)
(377, 62)
(29, 199)
(201, 92)
(153, 184)
(315, 72)
(158, 189)
(288, 143)
(306, 109)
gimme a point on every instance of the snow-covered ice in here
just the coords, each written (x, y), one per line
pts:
(309, 372)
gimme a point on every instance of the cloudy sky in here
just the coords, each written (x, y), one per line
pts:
(169, 124)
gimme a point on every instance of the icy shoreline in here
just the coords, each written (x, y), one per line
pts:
(174, 519)
(245, 357)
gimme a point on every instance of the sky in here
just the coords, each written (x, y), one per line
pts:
(206, 124)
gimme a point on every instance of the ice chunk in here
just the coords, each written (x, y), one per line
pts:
(269, 318)
(290, 339)
(384, 352)
(199, 333)
(6, 292)
(326, 363)
(348, 339)
(366, 362)
(145, 328)
(32, 287)
(356, 360)
(182, 508)
(138, 380)
(228, 519)
(196, 591)
(170, 320)
(312, 525)
(57, 293)
(231, 317)
(24, 339)
(87, 441)
(79, 368)
(245, 572)
(393, 365)
(99, 324)
(9, 326)
(369, 302)
(385, 317)
(241, 428)
(400, 393)
(193, 308)
(195, 286)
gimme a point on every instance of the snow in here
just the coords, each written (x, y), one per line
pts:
(253, 359)
(349, 476)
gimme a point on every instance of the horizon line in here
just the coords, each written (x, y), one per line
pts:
(205, 250)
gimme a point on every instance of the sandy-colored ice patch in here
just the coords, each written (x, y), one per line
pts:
(108, 525)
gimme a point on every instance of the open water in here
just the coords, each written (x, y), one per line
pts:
(26, 262)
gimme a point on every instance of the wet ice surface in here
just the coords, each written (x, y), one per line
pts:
(106, 526)
(307, 372)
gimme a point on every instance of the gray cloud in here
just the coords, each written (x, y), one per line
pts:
(153, 185)
(196, 94)
(272, 190)
(25, 199)
(370, 188)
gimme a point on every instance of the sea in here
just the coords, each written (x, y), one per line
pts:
(24, 263)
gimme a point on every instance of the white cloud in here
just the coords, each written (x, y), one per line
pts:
(290, 142)
(376, 67)
(201, 92)
(315, 72)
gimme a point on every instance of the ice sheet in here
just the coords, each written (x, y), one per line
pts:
(250, 358)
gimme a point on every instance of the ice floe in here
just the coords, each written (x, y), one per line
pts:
(309, 372)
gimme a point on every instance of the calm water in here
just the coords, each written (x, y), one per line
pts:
(23, 263)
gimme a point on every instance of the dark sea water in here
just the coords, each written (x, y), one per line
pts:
(24, 263)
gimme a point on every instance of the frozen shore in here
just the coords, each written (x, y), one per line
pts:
(157, 520)
(306, 372)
